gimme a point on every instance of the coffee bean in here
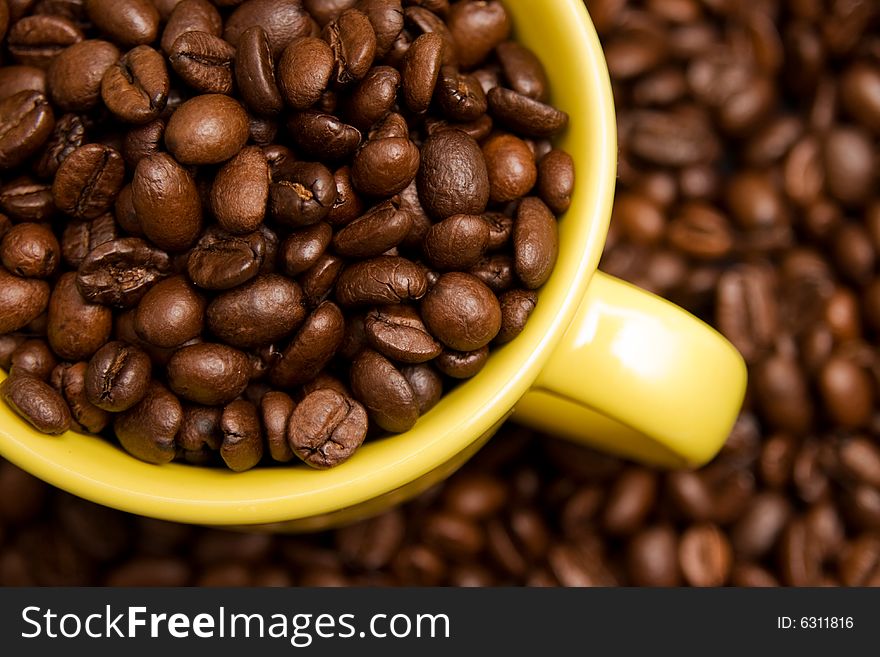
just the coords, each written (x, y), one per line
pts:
(323, 136)
(860, 459)
(276, 407)
(849, 165)
(199, 431)
(629, 501)
(556, 180)
(384, 391)
(496, 271)
(652, 557)
(166, 202)
(704, 556)
(311, 348)
(304, 71)
(426, 384)
(452, 178)
(386, 279)
(74, 78)
(255, 72)
(127, 22)
(30, 250)
(304, 195)
(353, 43)
(207, 129)
(758, 530)
(37, 402)
(373, 97)
(88, 181)
(37, 40)
(462, 312)
(701, 232)
(21, 78)
(203, 61)
(800, 564)
(398, 333)
(189, 16)
(525, 115)
(535, 242)
(326, 428)
(119, 272)
(385, 166)
(462, 364)
(26, 123)
(745, 310)
(457, 242)
(477, 28)
(421, 70)
(70, 382)
(381, 228)
(147, 429)
(847, 391)
(170, 313)
(66, 137)
(33, 358)
(77, 328)
(240, 191)
(282, 20)
(523, 70)
(304, 247)
(117, 376)
(860, 94)
(516, 307)
(136, 87)
(263, 310)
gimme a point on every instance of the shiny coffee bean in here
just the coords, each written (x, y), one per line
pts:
(37, 402)
(87, 182)
(326, 428)
(147, 429)
(136, 87)
(117, 376)
(462, 312)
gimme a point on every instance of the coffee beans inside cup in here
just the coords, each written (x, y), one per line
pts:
(243, 234)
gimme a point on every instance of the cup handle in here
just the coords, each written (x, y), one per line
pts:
(638, 376)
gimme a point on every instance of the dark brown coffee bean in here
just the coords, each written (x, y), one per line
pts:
(426, 384)
(318, 281)
(556, 180)
(255, 72)
(302, 249)
(579, 565)
(511, 167)
(746, 311)
(127, 22)
(75, 87)
(382, 280)
(282, 20)
(460, 96)
(26, 121)
(535, 242)
(384, 391)
(525, 115)
(516, 307)
(240, 191)
(208, 373)
(120, 271)
(385, 166)
(275, 410)
(30, 250)
(81, 237)
(136, 87)
(452, 178)
(847, 392)
(701, 232)
(421, 70)
(372, 543)
(860, 94)
(203, 61)
(187, 16)
(311, 348)
(373, 97)
(380, 229)
(800, 557)
(849, 165)
(200, 429)
(67, 136)
(397, 332)
(326, 428)
(758, 530)
(117, 376)
(304, 195)
(77, 328)
(25, 200)
(37, 402)
(705, 556)
(523, 70)
(70, 381)
(457, 242)
(143, 141)
(262, 311)
(323, 136)
(21, 78)
(88, 181)
(500, 230)
(304, 71)
(170, 313)
(629, 501)
(33, 358)
(859, 459)
(462, 364)
(207, 129)
(462, 312)
(37, 40)
(496, 271)
(166, 201)
(353, 42)
(477, 28)
(147, 429)
(652, 557)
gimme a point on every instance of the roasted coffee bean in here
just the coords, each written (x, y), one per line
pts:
(525, 115)
(263, 310)
(304, 71)
(77, 328)
(421, 70)
(460, 96)
(652, 557)
(745, 310)
(385, 166)
(26, 121)
(81, 237)
(170, 313)
(148, 428)
(462, 364)
(117, 376)
(700, 232)
(426, 384)
(37, 402)
(516, 307)
(398, 333)
(119, 272)
(282, 20)
(33, 358)
(535, 242)
(200, 429)
(30, 250)
(323, 136)
(240, 191)
(304, 195)
(847, 391)
(373, 97)
(37, 40)
(136, 87)
(452, 178)
(255, 72)
(166, 202)
(21, 78)
(782, 395)
(25, 200)
(758, 530)
(68, 135)
(311, 348)
(496, 271)
(477, 28)
(704, 556)
(353, 43)
(523, 70)
(457, 242)
(143, 141)
(629, 501)
(242, 446)
(500, 230)
(75, 77)
(70, 381)
(88, 181)
(380, 229)
(304, 247)
(189, 16)
(462, 312)
(203, 61)
(319, 280)
(382, 280)
(127, 22)
(276, 407)
(384, 391)
(556, 180)
(511, 167)
(849, 165)
(326, 428)
(207, 129)
(207, 373)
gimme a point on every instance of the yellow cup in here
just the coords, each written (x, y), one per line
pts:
(600, 362)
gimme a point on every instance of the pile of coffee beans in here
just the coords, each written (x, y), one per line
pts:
(243, 232)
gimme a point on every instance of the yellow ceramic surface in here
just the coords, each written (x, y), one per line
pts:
(622, 370)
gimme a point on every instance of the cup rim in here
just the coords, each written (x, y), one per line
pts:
(95, 469)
